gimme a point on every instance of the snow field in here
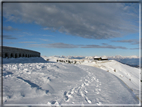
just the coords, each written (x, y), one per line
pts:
(129, 75)
(39, 82)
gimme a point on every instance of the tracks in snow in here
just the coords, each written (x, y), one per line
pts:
(87, 88)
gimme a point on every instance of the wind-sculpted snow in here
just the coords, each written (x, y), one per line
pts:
(62, 84)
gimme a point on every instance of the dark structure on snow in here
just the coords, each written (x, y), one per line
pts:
(12, 52)
(100, 58)
(97, 58)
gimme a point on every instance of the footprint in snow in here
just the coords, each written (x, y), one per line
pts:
(86, 91)
(99, 103)
(67, 95)
(53, 102)
(89, 101)
(85, 83)
(22, 94)
(49, 78)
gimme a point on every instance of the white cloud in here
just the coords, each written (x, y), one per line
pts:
(87, 20)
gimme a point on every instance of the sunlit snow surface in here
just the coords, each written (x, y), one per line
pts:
(36, 81)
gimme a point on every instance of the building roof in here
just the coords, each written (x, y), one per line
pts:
(96, 57)
(104, 57)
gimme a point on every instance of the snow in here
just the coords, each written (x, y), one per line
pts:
(104, 57)
(129, 75)
(30, 81)
(96, 57)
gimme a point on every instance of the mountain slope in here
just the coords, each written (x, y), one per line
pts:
(30, 82)
(129, 75)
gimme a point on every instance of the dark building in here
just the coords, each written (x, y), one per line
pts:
(12, 52)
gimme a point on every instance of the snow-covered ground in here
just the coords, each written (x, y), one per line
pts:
(129, 75)
(37, 81)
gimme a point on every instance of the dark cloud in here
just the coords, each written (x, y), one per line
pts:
(8, 37)
(27, 42)
(63, 45)
(9, 28)
(10, 43)
(134, 48)
(131, 41)
(36, 45)
(104, 46)
(27, 33)
(87, 20)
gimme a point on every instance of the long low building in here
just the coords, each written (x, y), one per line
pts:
(12, 52)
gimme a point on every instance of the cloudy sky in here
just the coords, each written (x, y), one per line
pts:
(78, 29)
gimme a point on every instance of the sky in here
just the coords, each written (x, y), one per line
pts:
(73, 29)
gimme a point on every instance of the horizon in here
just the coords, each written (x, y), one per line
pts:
(78, 56)
(79, 29)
